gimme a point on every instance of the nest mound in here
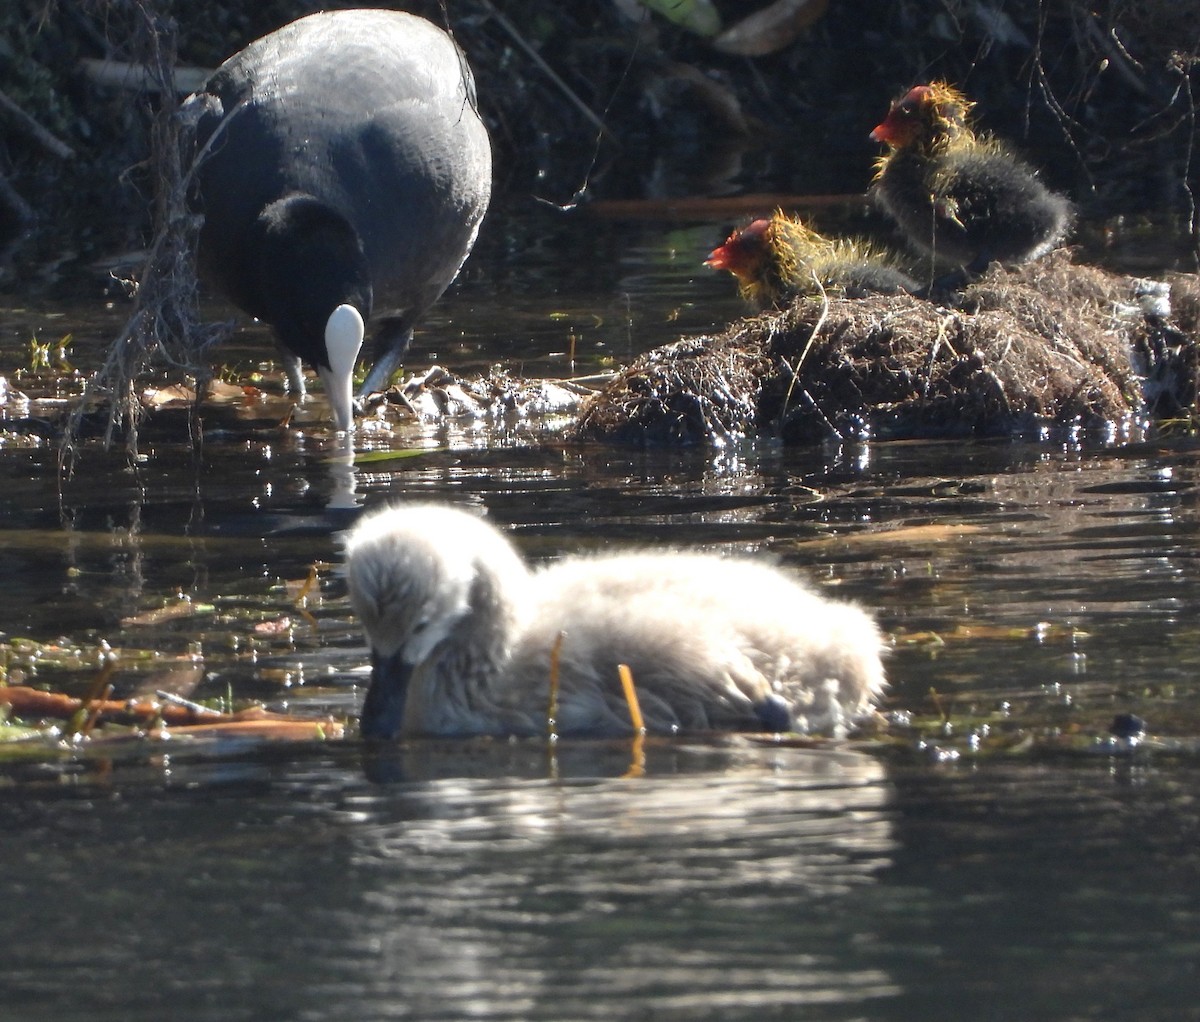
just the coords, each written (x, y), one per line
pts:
(1048, 343)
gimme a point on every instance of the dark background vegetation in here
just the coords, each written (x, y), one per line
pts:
(1099, 93)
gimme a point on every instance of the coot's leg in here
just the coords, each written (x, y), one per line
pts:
(294, 369)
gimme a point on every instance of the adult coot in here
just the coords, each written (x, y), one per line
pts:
(463, 635)
(343, 165)
(961, 196)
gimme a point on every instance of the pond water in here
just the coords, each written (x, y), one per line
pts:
(988, 851)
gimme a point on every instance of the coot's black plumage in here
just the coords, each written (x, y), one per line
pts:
(343, 166)
(959, 195)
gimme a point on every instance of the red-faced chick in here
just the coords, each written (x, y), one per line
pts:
(779, 259)
(960, 196)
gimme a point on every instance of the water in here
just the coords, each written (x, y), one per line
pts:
(1033, 590)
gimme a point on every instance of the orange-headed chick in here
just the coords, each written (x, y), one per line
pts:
(960, 196)
(779, 259)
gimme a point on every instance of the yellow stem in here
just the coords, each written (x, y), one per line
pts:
(635, 710)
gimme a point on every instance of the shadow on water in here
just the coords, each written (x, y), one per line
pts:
(1036, 586)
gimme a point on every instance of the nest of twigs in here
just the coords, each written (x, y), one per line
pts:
(1048, 343)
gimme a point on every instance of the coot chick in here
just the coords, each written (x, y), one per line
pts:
(779, 259)
(960, 196)
(343, 164)
(462, 634)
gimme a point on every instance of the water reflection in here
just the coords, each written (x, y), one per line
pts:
(710, 888)
(1056, 578)
(731, 882)
(575, 900)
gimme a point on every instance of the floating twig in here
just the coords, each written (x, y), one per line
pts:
(29, 702)
(94, 709)
(177, 700)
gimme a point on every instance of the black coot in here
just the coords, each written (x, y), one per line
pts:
(344, 166)
(959, 195)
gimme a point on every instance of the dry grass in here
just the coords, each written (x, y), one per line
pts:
(165, 327)
(1049, 343)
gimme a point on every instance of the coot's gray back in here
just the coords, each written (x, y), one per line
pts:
(373, 112)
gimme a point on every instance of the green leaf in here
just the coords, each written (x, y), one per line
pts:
(699, 16)
(371, 457)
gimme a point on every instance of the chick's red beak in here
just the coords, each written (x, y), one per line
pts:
(900, 126)
(889, 130)
(722, 257)
(742, 250)
(879, 133)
